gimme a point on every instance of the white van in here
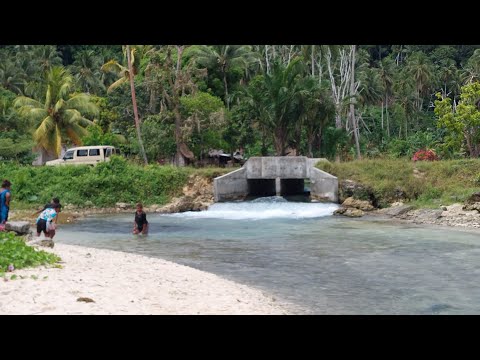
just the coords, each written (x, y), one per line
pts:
(85, 155)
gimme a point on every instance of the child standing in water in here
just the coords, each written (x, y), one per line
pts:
(140, 225)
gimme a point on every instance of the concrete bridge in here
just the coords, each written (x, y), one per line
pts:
(276, 175)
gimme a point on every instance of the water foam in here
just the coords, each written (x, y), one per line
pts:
(263, 208)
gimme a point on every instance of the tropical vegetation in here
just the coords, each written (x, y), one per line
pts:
(172, 103)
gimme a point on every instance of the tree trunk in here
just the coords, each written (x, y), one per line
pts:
(179, 158)
(135, 109)
(310, 139)
(386, 113)
(352, 105)
(279, 139)
(382, 119)
(226, 89)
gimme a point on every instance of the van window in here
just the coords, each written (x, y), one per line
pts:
(108, 152)
(94, 152)
(82, 152)
(68, 155)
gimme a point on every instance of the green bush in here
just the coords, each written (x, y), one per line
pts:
(13, 250)
(103, 185)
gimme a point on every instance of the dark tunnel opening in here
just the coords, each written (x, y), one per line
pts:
(290, 187)
(261, 187)
(267, 187)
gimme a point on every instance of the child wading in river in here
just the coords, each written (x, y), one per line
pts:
(141, 224)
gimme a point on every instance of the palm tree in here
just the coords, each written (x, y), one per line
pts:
(421, 70)
(386, 75)
(86, 69)
(318, 110)
(137, 53)
(225, 57)
(472, 69)
(11, 77)
(61, 115)
(128, 74)
(282, 98)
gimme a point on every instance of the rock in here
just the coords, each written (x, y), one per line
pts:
(122, 205)
(474, 198)
(472, 206)
(350, 188)
(350, 212)
(47, 243)
(20, 227)
(396, 210)
(358, 204)
(353, 213)
(396, 203)
(85, 299)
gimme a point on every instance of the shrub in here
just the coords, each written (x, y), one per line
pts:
(425, 155)
(14, 251)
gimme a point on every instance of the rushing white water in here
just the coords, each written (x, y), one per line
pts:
(263, 208)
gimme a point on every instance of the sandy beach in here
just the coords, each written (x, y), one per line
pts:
(122, 283)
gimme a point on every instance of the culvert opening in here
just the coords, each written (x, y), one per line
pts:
(261, 187)
(290, 187)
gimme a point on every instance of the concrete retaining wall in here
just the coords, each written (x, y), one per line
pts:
(231, 186)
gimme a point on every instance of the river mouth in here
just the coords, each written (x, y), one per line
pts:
(309, 260)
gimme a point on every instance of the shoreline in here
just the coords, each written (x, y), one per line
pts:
(125, 283)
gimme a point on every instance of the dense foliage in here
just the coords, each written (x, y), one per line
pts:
(264, 99)
(103, 185)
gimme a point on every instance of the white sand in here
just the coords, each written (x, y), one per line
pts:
(122, 283)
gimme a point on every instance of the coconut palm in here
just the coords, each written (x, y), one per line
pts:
(133, 55)
(137, 53)
(11, 77)
(282, 98)
(62, 114)
(225, 57)
(420, 68)
(86, 69)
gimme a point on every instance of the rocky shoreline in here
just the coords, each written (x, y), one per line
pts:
(455, 215)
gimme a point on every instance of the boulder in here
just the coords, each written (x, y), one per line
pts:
(20, 227)
(350, 188)
(396, 210)
(474, 198)
(364, 205)
(122, 205)
(350, 212)
(472, 206)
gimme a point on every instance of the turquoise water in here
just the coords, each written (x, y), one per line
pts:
(310, 261)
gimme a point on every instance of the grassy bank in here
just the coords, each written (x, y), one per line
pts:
(423, 184)
(102, 186)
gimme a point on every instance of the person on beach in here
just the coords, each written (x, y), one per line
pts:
(5, 197)
(140, 225)
(45, 221)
